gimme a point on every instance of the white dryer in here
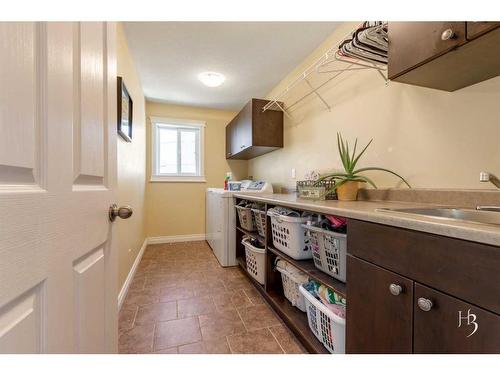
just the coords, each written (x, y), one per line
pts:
(220, 223)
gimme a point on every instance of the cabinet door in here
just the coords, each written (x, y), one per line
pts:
(379, 320)
(414, 43)
(475, 29)
(230, 130)
(245, 124)
(449, 325)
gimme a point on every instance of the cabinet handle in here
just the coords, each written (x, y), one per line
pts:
(448, 34)
(424, 304)
(395, 289)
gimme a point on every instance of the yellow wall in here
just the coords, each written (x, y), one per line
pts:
(131, 166)
(434, 138)
(178, 208)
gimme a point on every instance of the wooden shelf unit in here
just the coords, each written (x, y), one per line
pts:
(295, 319)
(307, 266)
(272, 291)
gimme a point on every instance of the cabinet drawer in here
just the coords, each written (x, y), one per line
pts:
(464, 269)
(453, 326)
(377, 321)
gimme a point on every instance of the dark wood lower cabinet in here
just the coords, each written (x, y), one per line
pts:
(453, 326)
(377, 320)
(448, 300)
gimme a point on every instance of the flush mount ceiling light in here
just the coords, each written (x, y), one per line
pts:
(211, 79)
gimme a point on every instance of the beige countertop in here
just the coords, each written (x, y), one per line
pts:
(367, 210)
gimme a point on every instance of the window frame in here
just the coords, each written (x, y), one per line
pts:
(179, 125)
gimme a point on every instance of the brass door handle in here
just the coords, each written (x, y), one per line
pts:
(123, 212)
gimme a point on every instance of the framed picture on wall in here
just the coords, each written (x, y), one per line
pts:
(125, 106)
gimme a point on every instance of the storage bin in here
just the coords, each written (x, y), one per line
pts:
(329, 250)
(255, 260)
(246, 217)
(328, 327)
(288, 234)
(292, 278)
(260, 220)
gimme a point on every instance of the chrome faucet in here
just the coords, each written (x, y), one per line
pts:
(489, 177)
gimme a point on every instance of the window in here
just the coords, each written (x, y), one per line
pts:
(177, 150)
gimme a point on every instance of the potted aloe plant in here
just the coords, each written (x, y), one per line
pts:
(347, 182)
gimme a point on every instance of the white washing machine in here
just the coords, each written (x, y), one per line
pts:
(220, 223)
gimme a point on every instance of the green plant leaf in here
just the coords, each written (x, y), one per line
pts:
(384, 170)
(332, 176)
(341, 151)
(367, 180)
(360, 154)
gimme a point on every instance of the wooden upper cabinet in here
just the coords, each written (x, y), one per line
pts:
(414, 43)
(378, 321)
(449, 325)
(443, 55)
(253, 132)
(476, 29)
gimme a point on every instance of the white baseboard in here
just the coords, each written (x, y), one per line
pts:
(181, 238)
(130, 276)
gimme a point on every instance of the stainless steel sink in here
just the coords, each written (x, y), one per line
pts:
(461, 214)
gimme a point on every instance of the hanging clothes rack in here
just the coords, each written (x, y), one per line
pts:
(331, 64)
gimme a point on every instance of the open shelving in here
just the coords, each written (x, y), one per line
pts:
(272, 290)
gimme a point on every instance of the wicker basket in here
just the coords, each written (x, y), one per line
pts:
(316, 190)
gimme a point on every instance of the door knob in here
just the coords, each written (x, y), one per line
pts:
(395, 289)
(424, 304)
(123, 212)
(448, 34)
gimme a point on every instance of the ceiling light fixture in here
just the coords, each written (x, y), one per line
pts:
(211, 79)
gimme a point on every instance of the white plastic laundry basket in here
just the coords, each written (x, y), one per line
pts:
(246, 218)
(289, 236)
(260, 219)
(256, 260)
(329, 250)
(328, 327)
(291, 284)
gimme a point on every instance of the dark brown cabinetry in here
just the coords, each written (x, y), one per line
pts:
(475, 29)
(253, 132)
(446, 285)
(443, 55)
(453, 326)
(385, 319)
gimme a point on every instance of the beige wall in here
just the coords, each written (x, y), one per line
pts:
(436, 139)
(131, 166)
(178, 208)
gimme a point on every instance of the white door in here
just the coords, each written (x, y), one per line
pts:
(58, 267)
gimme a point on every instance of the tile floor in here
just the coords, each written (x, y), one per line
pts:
(182, 301)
